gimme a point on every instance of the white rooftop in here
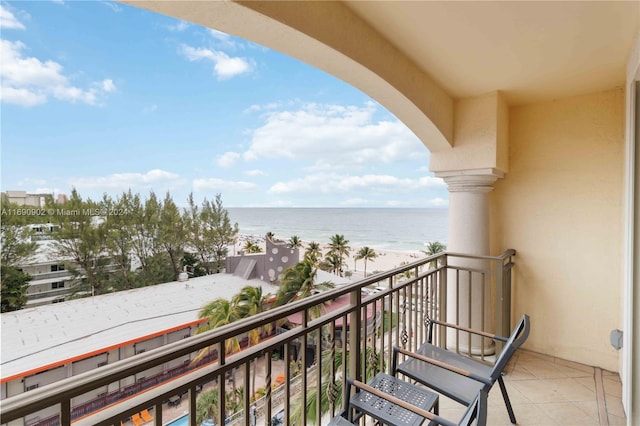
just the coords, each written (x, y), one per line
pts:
(43, 335)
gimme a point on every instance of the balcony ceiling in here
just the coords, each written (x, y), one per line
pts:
(530, 50)
(418, 57)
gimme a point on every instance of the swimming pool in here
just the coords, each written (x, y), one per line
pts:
(180, 421)
(184, 421)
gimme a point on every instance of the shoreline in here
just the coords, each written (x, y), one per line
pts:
(385, 260)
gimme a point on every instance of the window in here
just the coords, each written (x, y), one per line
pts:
(58, 300)
(58, 284)
(55, 268)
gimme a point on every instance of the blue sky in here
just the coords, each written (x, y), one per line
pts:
(105, 97)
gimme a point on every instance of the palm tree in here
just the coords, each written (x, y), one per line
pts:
(313, 252)
(373, 363)
(339, 246)
(207, 404)
(331, 263)
(295, 242)
(218, 313)
(250, 301)
(434, 248)
(251, 247)
(366, 253)
(297, 283)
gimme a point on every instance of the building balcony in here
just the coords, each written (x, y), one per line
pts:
(352, 339)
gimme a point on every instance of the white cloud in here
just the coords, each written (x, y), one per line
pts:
(333, 183)
(124, 181)
(58, 1)
(255, 172)
(355, 138)
(179, 26)
(227, 159)
(212, 184)
(108, 85)
(27, 81)
(224, 66)
(8, 21)
(113, 6)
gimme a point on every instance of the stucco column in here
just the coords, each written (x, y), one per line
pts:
(469, 234)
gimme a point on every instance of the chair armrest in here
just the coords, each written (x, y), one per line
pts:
(468, 330)
(419, 411)
(444, 365)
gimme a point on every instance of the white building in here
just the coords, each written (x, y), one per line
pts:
(44, 344)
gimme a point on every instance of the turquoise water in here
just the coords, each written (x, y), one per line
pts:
(184, 421)
(180, 421)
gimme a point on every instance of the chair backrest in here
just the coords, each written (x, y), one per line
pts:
(518, 337)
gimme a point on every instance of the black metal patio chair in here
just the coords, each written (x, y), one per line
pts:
(456, 376)
(377, 398)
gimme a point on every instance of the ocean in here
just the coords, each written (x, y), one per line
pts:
(395, 229)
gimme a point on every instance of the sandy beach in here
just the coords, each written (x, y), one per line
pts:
(385, 260)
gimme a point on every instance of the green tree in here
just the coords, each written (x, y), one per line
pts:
(193, 265)
(82, 239)
(251, 247)
(15, 244)
(340, 247)
(119, 239)
(366, 253)
(295, 242)
(222, 232)
(218, 313)
(249, 302)
(14, 288)
(373, 365)
(298, 282)
(207, 404)
(313, 252)
(171, 233)
(144, 218)
(198, 237)
(433, 248)
(331, 263)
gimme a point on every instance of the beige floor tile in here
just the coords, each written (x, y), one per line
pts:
(617, 421)
(612, 387)
(575, 366)
(542, 369)
(568, 414)
(553, 390)
(587, 382)
(526, 415)
(614, 406)
(589, 407)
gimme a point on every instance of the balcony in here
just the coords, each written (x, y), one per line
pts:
(543, 389)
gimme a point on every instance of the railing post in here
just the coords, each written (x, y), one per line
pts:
(503, 294)
(355, 327)
(443, 273)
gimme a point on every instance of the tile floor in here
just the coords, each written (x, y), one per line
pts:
(550, 391)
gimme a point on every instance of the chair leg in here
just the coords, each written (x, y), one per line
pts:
(507, 402)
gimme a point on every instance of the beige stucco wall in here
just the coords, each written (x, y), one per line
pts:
(560, 207)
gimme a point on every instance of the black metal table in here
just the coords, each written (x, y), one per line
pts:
(387, 412)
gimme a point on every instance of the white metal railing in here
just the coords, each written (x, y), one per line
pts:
(377, 322)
